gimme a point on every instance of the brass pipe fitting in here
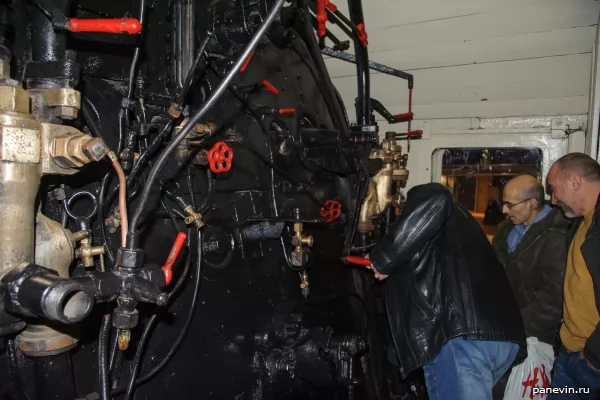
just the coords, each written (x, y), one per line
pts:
(86, 252)
(298, 257)
(193, 217)
(380, 196)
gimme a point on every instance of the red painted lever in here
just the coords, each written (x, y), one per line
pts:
(321, 17)
(358, 260)
(220, 157)
(245, 65)
(270, 87)
(404, 117)
(175, 250)
(130, 26)
(362, 35)
(287, 111)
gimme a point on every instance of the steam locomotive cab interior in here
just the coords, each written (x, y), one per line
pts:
(186, 192)
(181, 192)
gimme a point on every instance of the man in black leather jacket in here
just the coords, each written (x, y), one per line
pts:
(450, 307)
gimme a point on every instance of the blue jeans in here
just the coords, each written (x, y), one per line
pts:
(573, 373)
(468, 369)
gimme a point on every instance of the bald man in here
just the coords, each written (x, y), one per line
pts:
(574, 184)
(532, 246)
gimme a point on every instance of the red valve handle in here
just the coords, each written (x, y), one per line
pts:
(220, 157)
(404, 117)
(270, 87)
(245, 65)
(287, 111)
(130, 26)
(362, 35)
(175, 250)
(321, 17)
(358, 260)
(331, 211)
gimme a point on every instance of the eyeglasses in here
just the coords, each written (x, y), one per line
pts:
(511, 205)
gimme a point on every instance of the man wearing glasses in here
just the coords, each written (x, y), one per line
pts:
(532, 246)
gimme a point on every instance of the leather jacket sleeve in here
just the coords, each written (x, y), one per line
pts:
(426, 209)
(547, 308)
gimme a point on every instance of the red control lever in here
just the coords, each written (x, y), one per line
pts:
(175, 250)
(321, 17)
(130, 26)
(220, 157)
(404, 117)
(331, 211)
(358, 260)
(245, 65)
(414, 133)
(270, 87)
(362, 35)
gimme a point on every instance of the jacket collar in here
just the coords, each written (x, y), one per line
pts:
(553, 219)
(575, 222)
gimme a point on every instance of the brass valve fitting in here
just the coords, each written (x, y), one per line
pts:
(86, 251)
(193, 217)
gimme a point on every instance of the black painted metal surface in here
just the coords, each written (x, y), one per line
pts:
(254, 335)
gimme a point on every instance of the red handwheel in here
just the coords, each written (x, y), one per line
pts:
(331, 211)
(220, 157)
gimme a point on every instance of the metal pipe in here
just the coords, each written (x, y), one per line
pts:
(19, 184)
(184, 14)
(375, 66)
(47, 44)
(363, 103)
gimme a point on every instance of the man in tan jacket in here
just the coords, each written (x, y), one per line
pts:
(574, 184)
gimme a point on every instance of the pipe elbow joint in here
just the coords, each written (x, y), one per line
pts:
(34, 291)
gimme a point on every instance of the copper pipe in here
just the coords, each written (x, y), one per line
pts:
(122, 197)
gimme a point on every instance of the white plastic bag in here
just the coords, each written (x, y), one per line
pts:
(533, 374)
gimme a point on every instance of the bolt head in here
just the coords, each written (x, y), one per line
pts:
(67, 113)
(94, 149)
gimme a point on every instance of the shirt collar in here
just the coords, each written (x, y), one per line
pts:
(522, 228)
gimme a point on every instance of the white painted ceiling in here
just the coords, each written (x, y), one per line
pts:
(477, 58)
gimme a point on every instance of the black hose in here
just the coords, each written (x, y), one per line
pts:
(145, 378)
(91, 116)
(190, 182)
(144, 157)
(116, 371)
(133, 233)
(192, 72)
(210, 197)
(104, 376)
(363, 105)
(124, 111)
(136, 53)
(171, 216)
(177, 199)
(114, 349)
(101, 202)
(138, 356)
